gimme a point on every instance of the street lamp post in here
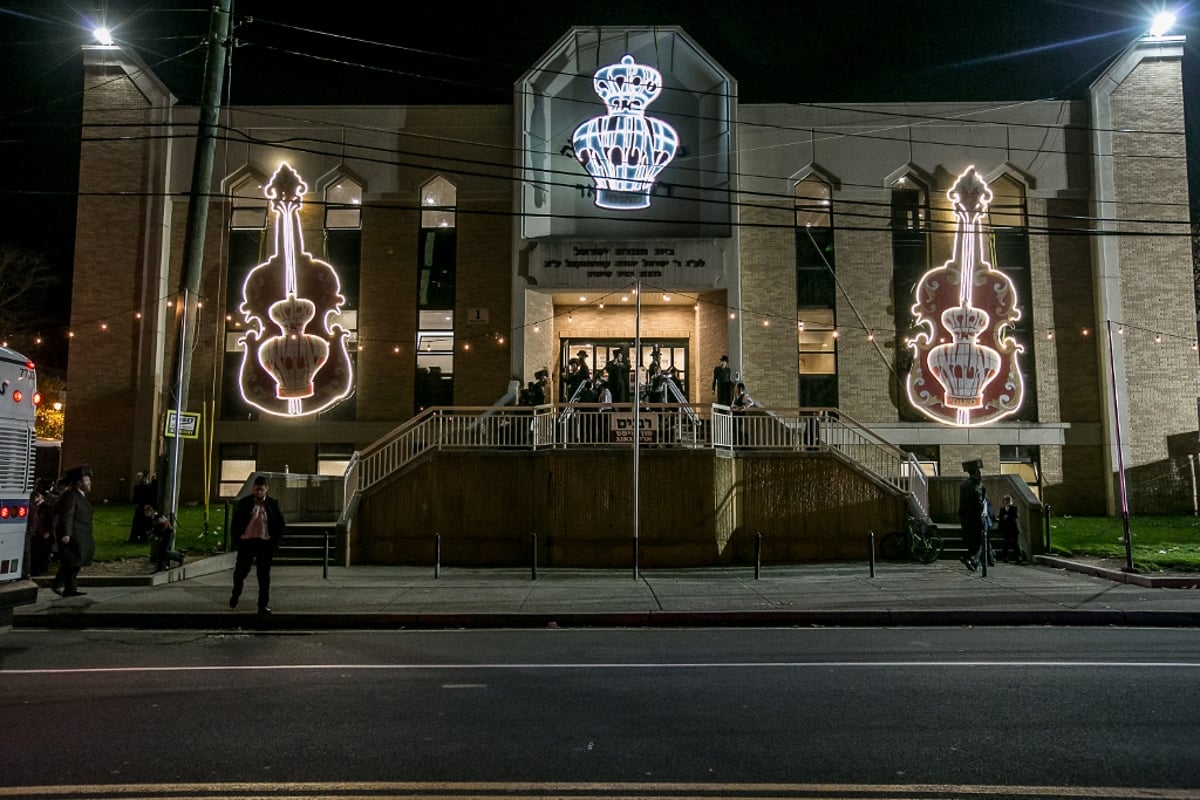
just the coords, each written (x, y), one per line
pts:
(193, 244)
(1112, 377)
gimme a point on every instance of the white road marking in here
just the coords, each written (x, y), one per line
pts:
(582, 791)
(609, 666)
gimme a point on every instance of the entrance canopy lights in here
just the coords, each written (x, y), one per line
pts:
(624, 151)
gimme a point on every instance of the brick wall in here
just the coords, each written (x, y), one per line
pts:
(1151, 191)
(768, 307)
(864, 272)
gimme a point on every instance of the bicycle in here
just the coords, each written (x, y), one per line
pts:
(917, 541)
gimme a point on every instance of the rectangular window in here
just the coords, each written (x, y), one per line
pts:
(817, 356)
(435, 360)
(245, 253)
(929, 456)
(909, 244)
(815, 285)
(343, 251)
(1024, 461)
(1012, 258)
(332, 459)
(238, 462)
(436, 267)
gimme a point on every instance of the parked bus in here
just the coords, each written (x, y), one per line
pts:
(19, 399)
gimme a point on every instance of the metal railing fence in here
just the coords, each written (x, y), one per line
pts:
(671, 425)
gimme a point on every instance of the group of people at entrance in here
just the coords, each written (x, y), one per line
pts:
(975, 516)
(609, 384)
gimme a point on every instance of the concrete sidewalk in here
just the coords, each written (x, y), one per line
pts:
(944, 593)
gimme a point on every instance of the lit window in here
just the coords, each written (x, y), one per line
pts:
(249, 205)
(343, 204)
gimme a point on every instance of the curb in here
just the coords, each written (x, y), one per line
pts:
(190, 569)
(1136, 579)
(73, 619)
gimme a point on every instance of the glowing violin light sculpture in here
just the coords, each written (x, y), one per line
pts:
(287, 370)
(978, 378)
(624, 151)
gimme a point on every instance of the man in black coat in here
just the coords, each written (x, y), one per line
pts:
(257, 528)
(722, 382)
(73, 530)
(972, 495)
(139, 528)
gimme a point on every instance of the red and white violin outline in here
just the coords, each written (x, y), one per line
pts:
(292, 372)
(973, 376)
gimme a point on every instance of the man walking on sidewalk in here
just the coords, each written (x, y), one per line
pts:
(257, 528)
(73, 530)
(972, 497)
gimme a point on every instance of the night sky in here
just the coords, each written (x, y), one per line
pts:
(348, 52)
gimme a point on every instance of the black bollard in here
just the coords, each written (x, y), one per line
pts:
(757, 554)
(1047, 529)
(437, 556)
(984, 552)
(325, 558)
(533, 555)
(871, 551)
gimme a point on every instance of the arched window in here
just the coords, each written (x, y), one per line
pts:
(438, 199)
(910, 225)
(816, 295)
(249, 215)
(343, 250)
(343, 205)
(437, 261)
(1009, 218)
(249, 205)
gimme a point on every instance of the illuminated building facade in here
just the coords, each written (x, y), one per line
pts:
(945, 273)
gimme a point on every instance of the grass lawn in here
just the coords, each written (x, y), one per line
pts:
(1158, 543)
(111, 521)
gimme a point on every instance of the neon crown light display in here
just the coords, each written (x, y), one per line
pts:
(978, 378)
(286, 370)
(624, 151)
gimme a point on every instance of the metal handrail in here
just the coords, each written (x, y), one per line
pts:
(577, 425)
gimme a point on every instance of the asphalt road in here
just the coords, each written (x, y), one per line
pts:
(997, 712)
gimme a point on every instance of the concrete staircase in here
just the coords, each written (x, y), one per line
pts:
(304, 544)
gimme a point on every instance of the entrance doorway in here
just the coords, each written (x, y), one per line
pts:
(668, 353)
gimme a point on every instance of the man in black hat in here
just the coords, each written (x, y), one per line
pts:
(73, 530)
(616, 372)
(585, 374)
(257, 528)
(971, 497)
(722, 382)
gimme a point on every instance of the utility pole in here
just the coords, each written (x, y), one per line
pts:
(193, 242)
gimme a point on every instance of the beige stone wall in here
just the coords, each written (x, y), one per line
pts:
(387, 311)
(482, 361)
(1151, 193)
(864, 273)
(953, 455)
(540, 344)
(712, 334)
(768, 306)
